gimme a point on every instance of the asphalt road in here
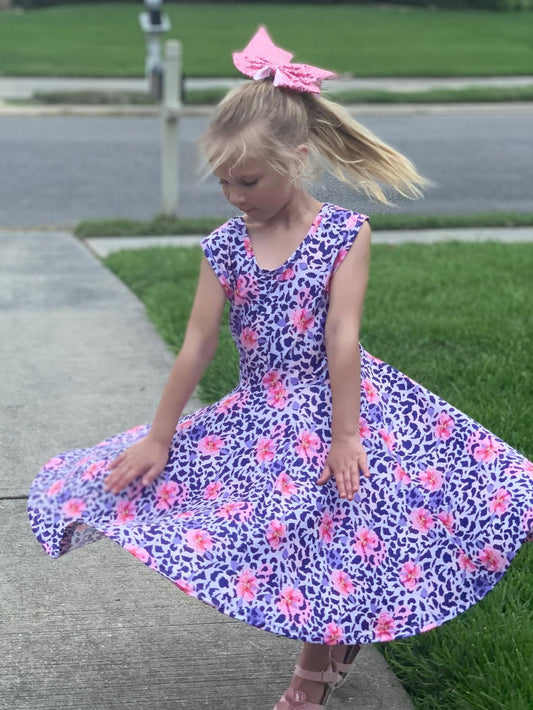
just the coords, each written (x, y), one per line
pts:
(59, 170)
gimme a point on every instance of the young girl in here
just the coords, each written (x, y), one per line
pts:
(328, 497)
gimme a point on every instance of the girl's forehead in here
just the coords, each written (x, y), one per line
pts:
(236, 168)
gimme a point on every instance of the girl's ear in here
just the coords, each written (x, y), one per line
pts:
(303, 149)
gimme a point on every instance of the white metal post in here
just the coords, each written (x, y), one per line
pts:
(170, 113)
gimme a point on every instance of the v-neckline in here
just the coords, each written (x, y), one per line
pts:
(310, 232)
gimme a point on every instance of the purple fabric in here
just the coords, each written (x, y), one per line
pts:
(237, 519)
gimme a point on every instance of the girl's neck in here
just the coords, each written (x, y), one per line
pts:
(301, 208)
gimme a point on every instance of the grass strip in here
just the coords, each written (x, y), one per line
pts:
(204, 225)
(211, 97)
(104, 39)
(462, 327)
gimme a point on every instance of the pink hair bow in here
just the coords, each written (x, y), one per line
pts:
(261, 59)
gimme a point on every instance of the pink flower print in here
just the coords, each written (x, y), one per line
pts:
(410, 575)
(185, 586)
(365, 542)
(166, 495)
(421, 520)
(491, 559)
(53, 463)
(444, 426)
(184, 515)
(277, 396)
(431, 479)
(73, 508)
(232, 509)
(446, 518)
(246, 290)
(275, 533)
(333, 634)
(352, 221)
(316, 224)
(138, 552)
(184, 424)
(428, 627)
(199, 540)
(226, 286)
(370, 391)
(248, 246)
(212, 490)
(290, 601)
(126, 512)
(484, 448)
(94, 470)
(302, 319)
(270, 379)
(488, 450)
(339, 259)
(364, 429)
(210, 445)
(56, 487)
(227, 403)
(266, 450)
(388, 438)
(249, 338)
(287, 274)
(522, 467)
(500, 502)
(247, 585)
(342, 582)
(307, 444)
(385, 627)
(285, 485)
(465, 563)
(326, 528)
(401, 475)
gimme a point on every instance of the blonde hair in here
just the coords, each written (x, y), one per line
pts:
(258, 117)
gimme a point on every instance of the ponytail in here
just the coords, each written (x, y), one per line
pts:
(259, 116)
(356, 156)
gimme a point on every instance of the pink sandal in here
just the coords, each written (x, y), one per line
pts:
(296, 699)
(346, 666)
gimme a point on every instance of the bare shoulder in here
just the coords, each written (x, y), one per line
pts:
(349, 282)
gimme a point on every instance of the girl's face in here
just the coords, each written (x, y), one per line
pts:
(255, 188)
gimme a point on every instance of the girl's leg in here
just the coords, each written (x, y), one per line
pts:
(313, 657)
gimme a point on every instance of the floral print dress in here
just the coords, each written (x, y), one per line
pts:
(237, 519)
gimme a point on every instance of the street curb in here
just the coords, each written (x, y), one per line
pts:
(103, 246)
(199, 111)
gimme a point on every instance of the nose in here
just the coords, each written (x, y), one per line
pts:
(236, 197)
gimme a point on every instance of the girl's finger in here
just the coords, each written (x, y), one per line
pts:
(325, 475)
(116, 461)
(341, 485)
(149, 477)
(354, 479)
(363, 466)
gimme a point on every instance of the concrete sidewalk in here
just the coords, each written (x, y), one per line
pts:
(103, 246)
(97, 630)
(25, 87)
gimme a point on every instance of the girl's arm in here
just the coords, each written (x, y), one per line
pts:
(346, 456)
(148, 457)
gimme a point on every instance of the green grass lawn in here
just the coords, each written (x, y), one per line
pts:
(105, 39)
(204, 225)
(459, 319)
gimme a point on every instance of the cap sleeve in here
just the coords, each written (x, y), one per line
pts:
(216, 248)
(347, 236)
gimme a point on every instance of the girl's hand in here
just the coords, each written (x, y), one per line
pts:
(345, 460)
(146, 458)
